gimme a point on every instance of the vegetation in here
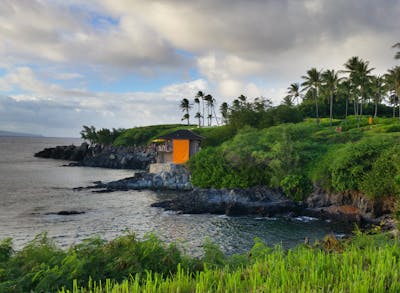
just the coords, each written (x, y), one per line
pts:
(103, 136)
(143, 135)
(296, 157)
(366, 263)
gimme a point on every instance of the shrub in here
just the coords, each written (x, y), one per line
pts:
(382, 179)
(354, 160)
(296, 187)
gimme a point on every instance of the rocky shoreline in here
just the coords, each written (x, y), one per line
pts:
(346, 207)
(137, 158)
(261, 201)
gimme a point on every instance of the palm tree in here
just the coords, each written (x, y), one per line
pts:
(198, 114)
(224, 111)
(392, 78)
(293, 92)
(344, 90)
(359, 74)
(312, 83)
(330, 80)
(287, 100)
(377, 90)
(210, 102)
(200, 95)
(185, 106)
(397, 56)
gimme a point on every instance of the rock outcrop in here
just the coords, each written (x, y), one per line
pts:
(176, 178)
(233, 202)
(98, 156)
(352, 206)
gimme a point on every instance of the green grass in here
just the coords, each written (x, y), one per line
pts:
(367, 264)
(315, 155)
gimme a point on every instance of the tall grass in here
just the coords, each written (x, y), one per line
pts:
(367, 264)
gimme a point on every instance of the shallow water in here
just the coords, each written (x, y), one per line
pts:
(31, 188)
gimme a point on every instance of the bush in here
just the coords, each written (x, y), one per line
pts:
(354, 160)
(296, 187)
(382, 179)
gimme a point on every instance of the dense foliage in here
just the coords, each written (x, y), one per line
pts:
(102, 136)
(143, 135)
(294, 157)
(366, 263)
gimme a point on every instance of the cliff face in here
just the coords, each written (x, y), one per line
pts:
(352, 205)
(98, 156)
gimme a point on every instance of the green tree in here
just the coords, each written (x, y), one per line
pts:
(397, 56)
(200, 95)
(210, 105)
(293, 91)
(185, 106)
(198, 114)
(392, 80)
(89, 133)
(224, 111)
(377, 90)
(312, 83)
(330, 81)
(344, 91)
(359, 74)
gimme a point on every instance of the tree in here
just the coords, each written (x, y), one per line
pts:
(198, 114)
(200, 95)
(359, 75)
(344, 90)
(89, 133)
(312, 82)
(377, 90)
(392, 80)
(293, 92)
(224, 111)
(210, 103)
(287, 100)
(185, 106)
(397, 45)
(330, 80)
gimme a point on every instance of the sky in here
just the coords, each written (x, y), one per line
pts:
(128, 63)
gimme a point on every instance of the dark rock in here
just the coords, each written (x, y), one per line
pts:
(99, 156)
(232, 202)
(66, 213)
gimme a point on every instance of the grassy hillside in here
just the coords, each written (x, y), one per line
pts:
(294, 157)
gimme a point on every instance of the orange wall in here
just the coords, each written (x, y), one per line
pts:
(181, 150)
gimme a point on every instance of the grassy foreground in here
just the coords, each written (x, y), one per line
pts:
(365, 263)
(368, 264)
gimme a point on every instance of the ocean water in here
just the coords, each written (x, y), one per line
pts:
(33, 189)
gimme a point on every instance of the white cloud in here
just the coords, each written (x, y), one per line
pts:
(53, 53)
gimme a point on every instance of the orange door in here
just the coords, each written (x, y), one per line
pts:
(181, 150)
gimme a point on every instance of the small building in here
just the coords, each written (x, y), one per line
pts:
(177, 147)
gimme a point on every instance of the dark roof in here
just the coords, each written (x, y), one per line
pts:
(182, 134)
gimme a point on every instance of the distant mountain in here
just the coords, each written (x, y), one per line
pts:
(9, 133)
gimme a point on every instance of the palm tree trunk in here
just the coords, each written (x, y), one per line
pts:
(376, 108)
(355, 106)
(331, 109)
(215, 115)
(203, 109)
(316, 106)
(347, 107)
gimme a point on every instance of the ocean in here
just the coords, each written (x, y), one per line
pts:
(33, 190)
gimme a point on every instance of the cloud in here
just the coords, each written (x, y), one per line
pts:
(56, 56)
